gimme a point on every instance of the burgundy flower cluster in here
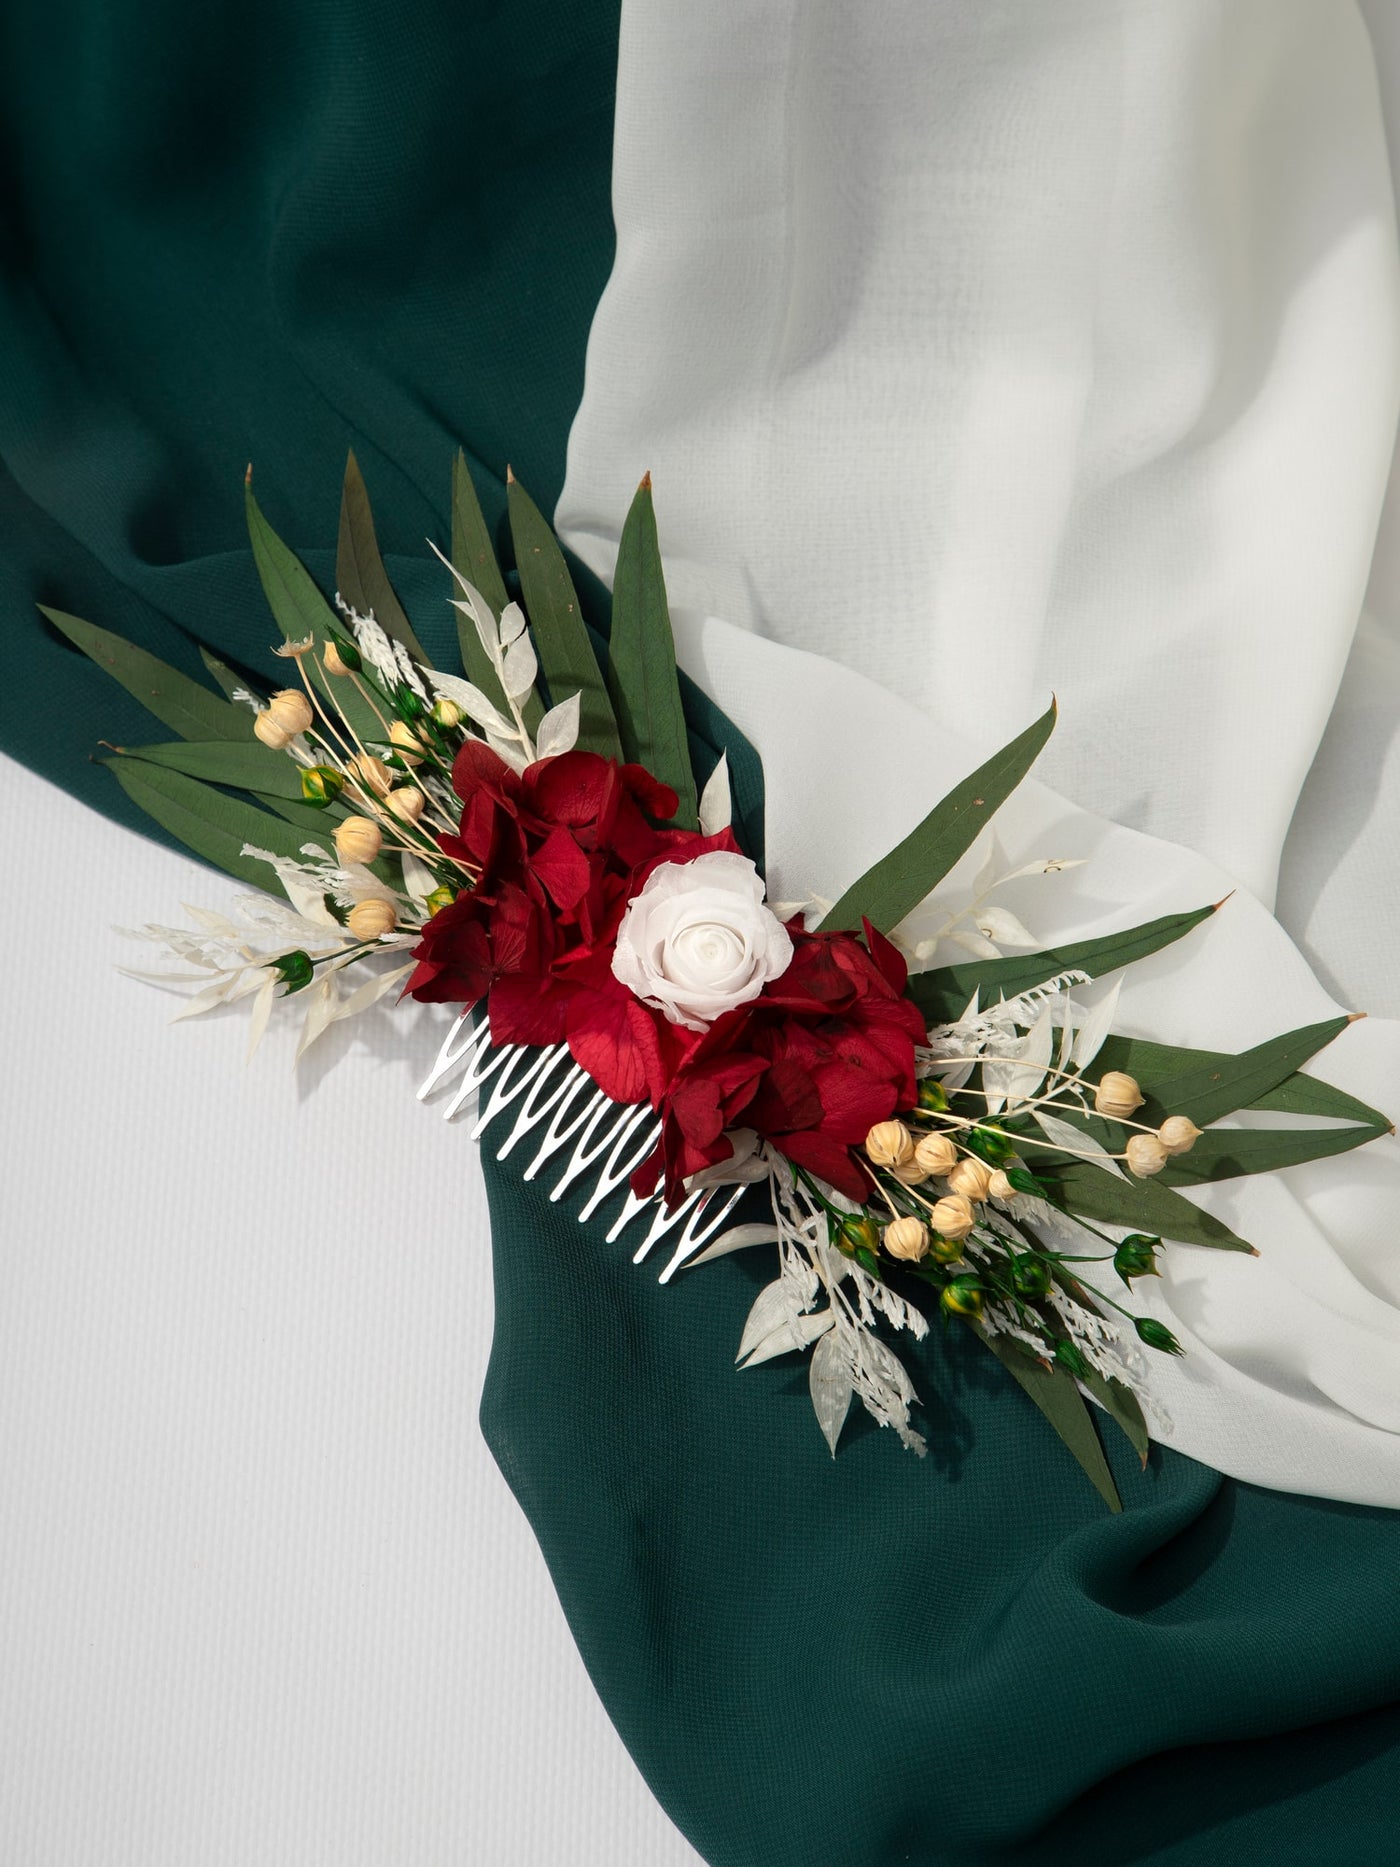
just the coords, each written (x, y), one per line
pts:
(822, 1054)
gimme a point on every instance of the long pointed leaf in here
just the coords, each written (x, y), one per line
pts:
(474, 558)
(225, 676)
(642, 661)
(300, 610)
(556, 622)
(175, 700)
(1121, 1405)
(1142, 1205)
(898, 883)
(1228, 1153)
(1053, 1390)
(1205, 1094)
(942, 993)
(250, 767)
(1299, 1094)
(359, 565)
(213, 826)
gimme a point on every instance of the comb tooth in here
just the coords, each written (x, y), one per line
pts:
(604, 1123)
(457, 1046)
(488, 1059)
(532, 1110)
(612, 1175)
(663, 1222)
(559, 1131)
(513, 1081)
(695, 1234)
(631, 1206)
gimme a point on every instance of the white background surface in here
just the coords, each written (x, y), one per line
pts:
(265, 1600)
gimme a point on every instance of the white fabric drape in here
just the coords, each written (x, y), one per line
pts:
(987, 350)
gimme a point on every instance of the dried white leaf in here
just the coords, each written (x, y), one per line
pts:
(777, 1303)
(998, 925)
(1065, 1135)
(371, 992)
(799, 1333)
(831, 1385)
(519, 667)
(737, 1238)
(509, 751)
(558, 730)
(262, 1011)
(512, 623)
(1095, 1028)
(988, 872)
(716, 807)
(320, 1014)
(210, 921)
(472, 702)
(1015, 1079)
(975, 943)
(418, 878)
(203, 1001)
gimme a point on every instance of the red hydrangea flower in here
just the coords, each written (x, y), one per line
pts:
(561, 848)
(825, 1052)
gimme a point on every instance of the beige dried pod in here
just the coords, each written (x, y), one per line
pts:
(406, 743)
(936, 1154)
(372, 774)
(907, 1238)
(407, 803)
(1117, 1095)
(1000, 1187)
(332, 663)
(1178, 1134)
(889, 1144)
(1145, 1155)
(266, 728)
(972, 1177)
(292, 710)
(357, 840)
(369, 920)
(910, 1174)
(953, 1216)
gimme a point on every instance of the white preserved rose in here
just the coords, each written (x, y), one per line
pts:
(697, 940)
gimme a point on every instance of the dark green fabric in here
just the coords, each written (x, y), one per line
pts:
(274, 230)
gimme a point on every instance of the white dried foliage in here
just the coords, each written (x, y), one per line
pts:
(716, 806)
(975, 925)
(558, 730)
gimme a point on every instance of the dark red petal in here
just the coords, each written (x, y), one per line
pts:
(827, 1158)
(526, 1010)
(893, 967)
(563, 868)
(615, 1041)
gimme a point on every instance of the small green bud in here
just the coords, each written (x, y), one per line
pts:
(294, 969)
(408, 702)
(856, 1232)
(962, 1296)
(439, 899)
(321, 785)
(1157, 1336)
(345, 654)
(868, 1261)
(1025, 1182)
(945, 1250)
(933, 1097)
(1030, 1275)
(1136, 1256)
(446, 713)
(994, 1146)
(1068, 1356)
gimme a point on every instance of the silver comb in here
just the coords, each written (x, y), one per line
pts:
(605, 1140)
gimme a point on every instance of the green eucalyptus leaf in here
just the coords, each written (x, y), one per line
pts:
(1298, 1094)
(359, 566)
(215, 827)
(230, 682)
(1144, 1205)
(642, 661)
(300, 610)
(943, 993)
(1054, 1391)
(250, 767)
(901, 880)
(556, 622)
(1121, 1405)
(1227, 1153)
(1219, 1088)
(175, 700)
(472, 550)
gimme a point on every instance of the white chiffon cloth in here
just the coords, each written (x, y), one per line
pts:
(974, 434)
